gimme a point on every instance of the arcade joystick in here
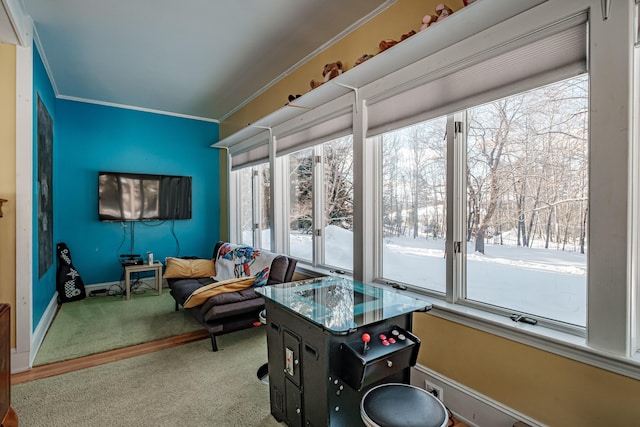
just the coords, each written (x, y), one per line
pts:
(365, 339)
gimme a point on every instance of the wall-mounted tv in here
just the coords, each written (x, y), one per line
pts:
(143, 197)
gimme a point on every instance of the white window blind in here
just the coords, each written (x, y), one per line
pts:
(556, 52)
(329, 121)
(250, 152)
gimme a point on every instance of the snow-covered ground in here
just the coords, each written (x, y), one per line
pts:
(542, 282)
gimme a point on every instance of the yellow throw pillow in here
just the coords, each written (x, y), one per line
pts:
(201, 295)
(178, 268)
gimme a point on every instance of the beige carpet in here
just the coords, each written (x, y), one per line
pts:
(187, 386)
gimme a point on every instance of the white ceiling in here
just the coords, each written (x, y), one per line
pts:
(200, 58)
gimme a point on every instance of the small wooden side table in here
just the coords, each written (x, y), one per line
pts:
(156, 267)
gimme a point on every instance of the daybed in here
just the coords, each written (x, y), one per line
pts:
(230, 278)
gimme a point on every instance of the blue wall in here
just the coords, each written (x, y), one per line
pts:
(93, 138)
(43, 287)
(88, 138)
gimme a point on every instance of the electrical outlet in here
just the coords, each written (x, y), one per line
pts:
(434, 389)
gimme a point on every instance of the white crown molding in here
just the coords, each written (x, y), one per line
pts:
(132, 107)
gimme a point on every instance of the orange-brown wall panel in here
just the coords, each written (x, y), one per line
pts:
(552, 389)
(8, 180)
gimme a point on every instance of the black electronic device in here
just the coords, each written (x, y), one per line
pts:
(319, 378)
(143, 197)
(131, 259)
(378, 355)
(329, 341)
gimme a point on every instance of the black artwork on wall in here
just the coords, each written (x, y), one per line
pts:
(45, 189)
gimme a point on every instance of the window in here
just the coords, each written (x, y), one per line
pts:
(527, 198)
(263, 201)
(301, 205)
(337, 161)
(253, 216)
(321, 204)
(524, 221)
(245, 184)
(414, 204)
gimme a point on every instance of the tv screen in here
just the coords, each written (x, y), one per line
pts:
(143, 197)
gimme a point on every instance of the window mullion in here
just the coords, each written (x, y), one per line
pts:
(318, 206)
(235, 211)
(456, 248)
(635, 158)
(256, 202)
(367, 259)
(608, 296)
(281, 197)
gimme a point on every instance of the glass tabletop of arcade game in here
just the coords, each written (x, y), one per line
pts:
(341, 305)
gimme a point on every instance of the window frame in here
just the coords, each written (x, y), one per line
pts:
(460, 232)
(456, 256)
(377, 140)
(286, 197)
(318, 257)
(236, 214)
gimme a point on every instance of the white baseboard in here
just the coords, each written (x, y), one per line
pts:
(43, 326)
(105, 285)
(471, 407)
(101, 285)
(19, 361)
(149, 281)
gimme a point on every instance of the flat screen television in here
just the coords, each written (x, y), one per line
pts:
(143, 197)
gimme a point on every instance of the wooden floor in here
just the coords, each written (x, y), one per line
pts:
(66, 366)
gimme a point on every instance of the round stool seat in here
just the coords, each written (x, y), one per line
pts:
(402, 405)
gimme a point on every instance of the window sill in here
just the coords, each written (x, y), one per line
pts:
(557, 342)
(311, 271)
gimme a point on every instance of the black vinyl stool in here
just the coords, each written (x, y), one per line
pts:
(402, 405)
